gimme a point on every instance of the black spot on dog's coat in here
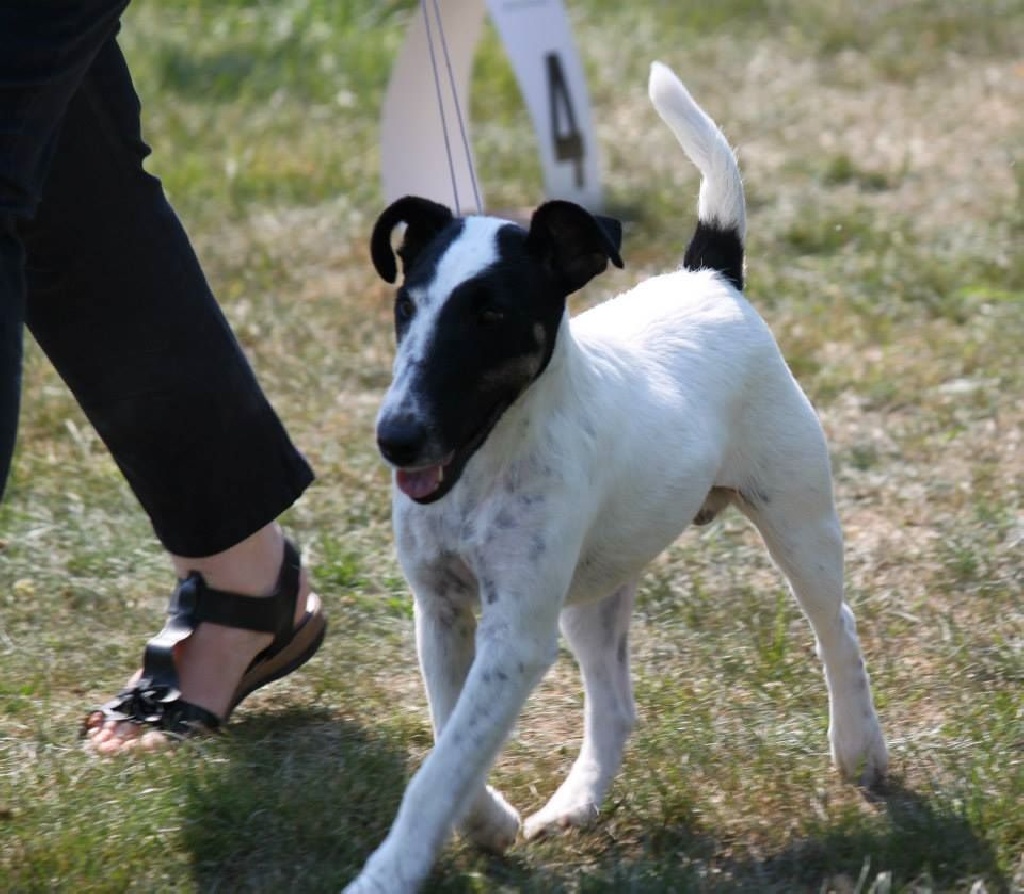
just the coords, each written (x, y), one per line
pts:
(715, 248)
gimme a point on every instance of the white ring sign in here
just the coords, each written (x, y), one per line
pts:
(537, 37)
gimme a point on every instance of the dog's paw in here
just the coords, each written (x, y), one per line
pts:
(558, 815)
(859, 750)
(492, 824)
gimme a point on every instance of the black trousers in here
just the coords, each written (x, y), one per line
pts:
(95, 262)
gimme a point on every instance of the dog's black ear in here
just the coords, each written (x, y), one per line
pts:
(423, 218)
(572, 243)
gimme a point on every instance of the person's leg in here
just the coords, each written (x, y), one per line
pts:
(44, 52)
(117, 300)
(12, 316)
(119, 303)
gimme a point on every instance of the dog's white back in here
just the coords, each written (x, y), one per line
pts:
(542, 462)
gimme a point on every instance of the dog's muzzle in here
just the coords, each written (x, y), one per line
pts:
(404, 442)
(420, 472)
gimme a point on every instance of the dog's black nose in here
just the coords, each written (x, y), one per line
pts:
(401, 439)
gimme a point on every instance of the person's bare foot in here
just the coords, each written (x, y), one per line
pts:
(212, 661)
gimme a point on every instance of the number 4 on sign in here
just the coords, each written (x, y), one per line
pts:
(416, 158)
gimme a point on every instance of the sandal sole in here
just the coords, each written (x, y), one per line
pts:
(304, 644)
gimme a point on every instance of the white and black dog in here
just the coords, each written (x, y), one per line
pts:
(541, 463)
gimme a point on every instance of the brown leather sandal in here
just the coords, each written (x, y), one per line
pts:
(154, 699)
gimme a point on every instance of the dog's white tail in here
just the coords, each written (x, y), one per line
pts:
(721, 210)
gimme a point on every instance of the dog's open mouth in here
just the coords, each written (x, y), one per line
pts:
(427, 484)
(421, 484)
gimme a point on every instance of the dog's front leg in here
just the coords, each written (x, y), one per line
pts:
(515, 644)
(445, 646)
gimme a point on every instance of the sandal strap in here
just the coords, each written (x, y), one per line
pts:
(269, 614)
(155, 698)
(161, 708)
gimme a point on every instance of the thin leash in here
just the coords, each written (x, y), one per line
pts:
(440, 106)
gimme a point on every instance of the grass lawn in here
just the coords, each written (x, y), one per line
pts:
(882, 149)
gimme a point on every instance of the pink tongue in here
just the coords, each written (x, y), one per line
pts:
(418, 483)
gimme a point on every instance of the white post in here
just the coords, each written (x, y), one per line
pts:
(537, 37)
(413, 160)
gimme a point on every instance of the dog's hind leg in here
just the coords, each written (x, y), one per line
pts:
(799, 525)
(598, 634)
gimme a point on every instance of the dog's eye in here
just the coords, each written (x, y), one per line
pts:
(404, 308)
(490, 316)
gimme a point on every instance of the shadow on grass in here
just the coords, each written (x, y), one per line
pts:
(914, 836)
(297, 800)
(911, 840)
(291, 800)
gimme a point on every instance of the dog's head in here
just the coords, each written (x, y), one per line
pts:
(476, 317)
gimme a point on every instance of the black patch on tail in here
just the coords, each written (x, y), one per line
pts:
(718, 249)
